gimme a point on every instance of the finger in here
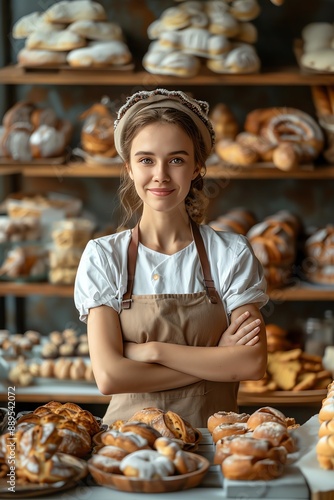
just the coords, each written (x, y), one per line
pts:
(237, 322)
(249, 336)
(247, 328)
(254, 340)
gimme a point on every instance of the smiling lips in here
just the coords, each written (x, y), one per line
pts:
(161, 192)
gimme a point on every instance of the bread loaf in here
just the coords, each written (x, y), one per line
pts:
(68, 12)
(100, 55)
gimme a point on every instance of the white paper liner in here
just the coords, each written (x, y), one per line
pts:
(318, 479)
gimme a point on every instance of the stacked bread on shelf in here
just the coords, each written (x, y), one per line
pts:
(252, 447)
(317, 49)
(274, 241)
(217, 32)
(288, 369)
(319, 256)
(30, 132)
(325, 444)
(69, 238)
(75, 33)
(285, 137)
(65, 343)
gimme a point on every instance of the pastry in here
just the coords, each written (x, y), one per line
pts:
(195, 41)
(33, 22)
(43, 58)
(54, 40)
(147, 464)
(234, 153)
(248, 468)
(241, 58)
(94, 30)
(100, 55)
(245, 10)
(68, 12)
(47, 142)
(175, 63)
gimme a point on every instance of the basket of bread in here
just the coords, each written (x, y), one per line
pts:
(149, 453)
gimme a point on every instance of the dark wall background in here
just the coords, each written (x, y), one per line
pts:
(277, 28)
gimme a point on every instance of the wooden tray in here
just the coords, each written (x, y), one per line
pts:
(33, 490)
(290, 397)
(165, 485)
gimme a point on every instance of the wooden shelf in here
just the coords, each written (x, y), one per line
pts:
(300, 292)
(256, 171)
(278, 76)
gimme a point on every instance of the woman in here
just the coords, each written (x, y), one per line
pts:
(172, 308)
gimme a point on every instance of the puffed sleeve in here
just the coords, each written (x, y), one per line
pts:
(246, 281)
(96, 281)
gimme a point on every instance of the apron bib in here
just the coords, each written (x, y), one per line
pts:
(196, 319)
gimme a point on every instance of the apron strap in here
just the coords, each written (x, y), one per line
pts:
(203, 257)
(132, 258)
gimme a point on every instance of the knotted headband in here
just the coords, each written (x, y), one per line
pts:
(162, 98)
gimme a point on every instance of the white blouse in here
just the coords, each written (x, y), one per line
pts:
(102, 273)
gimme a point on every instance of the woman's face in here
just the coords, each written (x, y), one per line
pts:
(162, 166)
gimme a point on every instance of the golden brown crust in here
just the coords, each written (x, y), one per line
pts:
(226, 417)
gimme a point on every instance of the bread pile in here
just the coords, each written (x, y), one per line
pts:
(252, 447)
(137, 448)
(318, 47)
(74, 32)
(37, 453)
(69, 342)
(286, 137)
(323, 99)
(14, 230)
(277, 338)
(319, 256)
(29, 132)
(25, 262)
(274, 241)
(325, 444)
(19, 344)
(217, 32)
(69, 238)
(63, 369)
(237, 220)
(292, 370)
(21, 205)
(97, 133)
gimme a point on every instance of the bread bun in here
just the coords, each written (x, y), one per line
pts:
(226, 417)
(265, 414)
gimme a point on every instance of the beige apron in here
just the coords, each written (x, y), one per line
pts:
(196, 319)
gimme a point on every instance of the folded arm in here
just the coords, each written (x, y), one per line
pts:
(116, 374)
(223, 363)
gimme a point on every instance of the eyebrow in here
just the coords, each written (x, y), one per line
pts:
(181, 152)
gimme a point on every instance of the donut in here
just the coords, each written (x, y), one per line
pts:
(106, 464)
(224, 430)
(185, 462)
(167, 447)
(144, 430)
(147, 464)
(112, 451)
(128, 441)
(225, 417)
(243, 467)
(265, 414)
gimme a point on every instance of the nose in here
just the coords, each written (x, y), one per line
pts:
(161, 173)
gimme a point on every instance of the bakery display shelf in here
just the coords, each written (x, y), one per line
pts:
(294, 398)
(302, 291)
(215, 171)
(15, 74)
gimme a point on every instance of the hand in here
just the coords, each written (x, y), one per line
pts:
(236, 334)
(138, 352)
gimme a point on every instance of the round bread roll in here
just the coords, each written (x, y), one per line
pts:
(242, 467)
(105, 463)
(326, 428)
(326, 412)
(114, 452)
(266, 414)
(223, 430)
(226, 417)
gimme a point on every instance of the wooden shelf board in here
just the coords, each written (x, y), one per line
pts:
(302, 292)
(14, 74)
(213, 171)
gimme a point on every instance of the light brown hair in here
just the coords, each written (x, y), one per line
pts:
(196, 201)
